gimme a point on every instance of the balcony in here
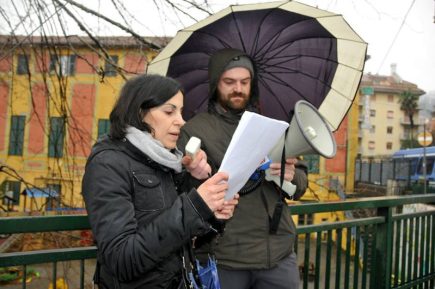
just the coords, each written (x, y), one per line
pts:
(405, 121)
(388, 249)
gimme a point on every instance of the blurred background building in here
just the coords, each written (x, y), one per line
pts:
(56, 94)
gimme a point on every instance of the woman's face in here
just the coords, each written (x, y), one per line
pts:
(166, 121)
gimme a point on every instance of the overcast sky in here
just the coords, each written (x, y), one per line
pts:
(397, 31)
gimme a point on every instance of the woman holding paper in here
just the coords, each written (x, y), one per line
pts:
(140, 220)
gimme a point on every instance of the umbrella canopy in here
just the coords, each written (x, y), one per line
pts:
(300, 52)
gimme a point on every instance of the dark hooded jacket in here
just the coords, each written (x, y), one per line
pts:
(246, 242)
(139, 220)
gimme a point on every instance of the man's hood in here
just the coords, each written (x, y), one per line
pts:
(216, 66)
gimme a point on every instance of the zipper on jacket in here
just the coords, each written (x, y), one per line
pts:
(268, 244)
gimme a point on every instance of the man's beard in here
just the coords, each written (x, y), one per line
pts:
(228, 104)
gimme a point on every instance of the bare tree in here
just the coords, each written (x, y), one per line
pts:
(38, 26)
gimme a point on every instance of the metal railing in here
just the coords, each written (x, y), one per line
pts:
(392, 249)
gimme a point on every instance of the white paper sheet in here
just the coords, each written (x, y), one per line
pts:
(253, 139)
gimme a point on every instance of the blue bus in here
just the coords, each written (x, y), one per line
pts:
(409, 164)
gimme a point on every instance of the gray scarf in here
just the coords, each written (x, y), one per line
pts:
(154, 149)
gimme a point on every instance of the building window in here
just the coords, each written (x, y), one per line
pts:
(372, 112)
(407, 133)
(103, 127)
(63, 65)
(56, 137)
(371, 145)
(372, 129)
(390, 98)
(109, 68)
(389, 130)
(10, 193)
(306, 219)
(23, 64)
(53, 198)
(390, 114)
(389, 145)
(313, 163)
(16, 136)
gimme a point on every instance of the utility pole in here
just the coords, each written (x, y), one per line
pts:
(424, 158)
(424, 139)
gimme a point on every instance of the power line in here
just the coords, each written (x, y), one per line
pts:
(29, 35)
(395, 37)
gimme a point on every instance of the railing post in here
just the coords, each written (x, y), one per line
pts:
(384, 249)
(409, 173)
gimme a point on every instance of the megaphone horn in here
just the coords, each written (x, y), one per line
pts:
(308, 133)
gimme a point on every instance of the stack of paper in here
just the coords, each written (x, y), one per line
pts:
(253, 139)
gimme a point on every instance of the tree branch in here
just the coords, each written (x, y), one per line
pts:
(95, 13)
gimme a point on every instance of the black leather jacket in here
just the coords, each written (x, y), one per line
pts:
(139, 220)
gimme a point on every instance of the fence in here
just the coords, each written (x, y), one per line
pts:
(397, 174)
(393, 249)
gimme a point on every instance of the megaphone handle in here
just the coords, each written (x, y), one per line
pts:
(281, 177)
(285, 186)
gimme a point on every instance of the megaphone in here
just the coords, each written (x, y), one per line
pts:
(308, 133)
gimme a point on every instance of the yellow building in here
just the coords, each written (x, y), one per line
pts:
(383, 125)
(56, 94)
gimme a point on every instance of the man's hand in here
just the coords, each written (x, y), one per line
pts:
(289, 169)
(198, 167)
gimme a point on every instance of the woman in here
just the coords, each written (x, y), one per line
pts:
(139, 220)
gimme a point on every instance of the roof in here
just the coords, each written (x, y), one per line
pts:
(85, 41)
(389, 84)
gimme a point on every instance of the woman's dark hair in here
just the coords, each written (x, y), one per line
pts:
(137, 96)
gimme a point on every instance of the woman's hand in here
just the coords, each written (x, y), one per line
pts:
(197, 167)
(228, 208)
(213, 190)
(289, 169)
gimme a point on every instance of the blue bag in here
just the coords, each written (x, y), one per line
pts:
(205, 277)
(208, 274)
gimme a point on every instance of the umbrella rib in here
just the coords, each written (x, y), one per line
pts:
(275, 37)
(268, 87)
(238, 29)
(273, 78)
(277, 51)
(257, 37)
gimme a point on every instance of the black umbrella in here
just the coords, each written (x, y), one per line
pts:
(300, 52)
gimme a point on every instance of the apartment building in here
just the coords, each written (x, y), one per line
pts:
(56, 94)
(383, 125)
